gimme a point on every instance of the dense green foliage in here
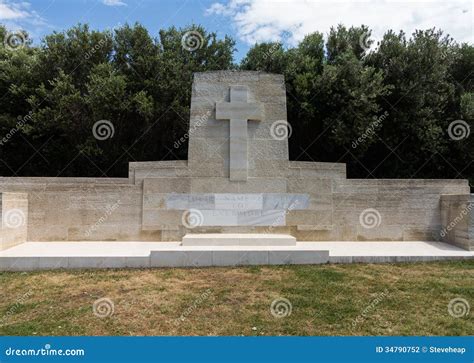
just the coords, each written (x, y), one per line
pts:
(385, 112)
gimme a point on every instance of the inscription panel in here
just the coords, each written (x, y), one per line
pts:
(239, 201)
(227, 218)
(187, 201)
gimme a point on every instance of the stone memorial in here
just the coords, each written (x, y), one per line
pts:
(238, 187)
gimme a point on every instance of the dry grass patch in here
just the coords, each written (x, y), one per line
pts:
(356, 299)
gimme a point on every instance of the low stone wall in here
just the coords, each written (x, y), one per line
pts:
(136, 208)
(379, 209)
(457, 219)
(14, 217)
(77, 209)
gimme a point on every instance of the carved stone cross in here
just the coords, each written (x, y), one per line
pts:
(238, 111)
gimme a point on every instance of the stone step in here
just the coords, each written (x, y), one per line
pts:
(230, 256)
(238, 239)
(31, 256)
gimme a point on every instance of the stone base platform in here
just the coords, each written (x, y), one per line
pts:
(75, 255)
(238, 239)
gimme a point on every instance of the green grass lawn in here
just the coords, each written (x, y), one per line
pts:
(354, 299)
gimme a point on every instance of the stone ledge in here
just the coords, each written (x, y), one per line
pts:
(318, 165)
(394, 259)
(307, 227)
(408, 182)
(236, 76)
(238, 239)
(158, 164)
(457, 197)
(61, 180)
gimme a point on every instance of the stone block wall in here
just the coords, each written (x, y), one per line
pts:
(139, 208)
(457, 220)
(392, 209)
(370, 209)
(14, 218)
(75, 209)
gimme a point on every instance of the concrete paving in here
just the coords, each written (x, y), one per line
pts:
(54, 255)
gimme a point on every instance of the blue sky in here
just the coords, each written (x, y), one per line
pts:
(247, 21)
(45, 16)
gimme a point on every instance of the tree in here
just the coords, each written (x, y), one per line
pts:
(355, 39)
(79, 79)
(422, 105)
(401, 108)
(266, 57)
(331, 98)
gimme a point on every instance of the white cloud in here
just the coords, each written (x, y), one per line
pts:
(114, 3)
(17, 15)
(268, 20)
(12, 11)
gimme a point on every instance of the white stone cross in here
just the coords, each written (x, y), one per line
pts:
(238, 111)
